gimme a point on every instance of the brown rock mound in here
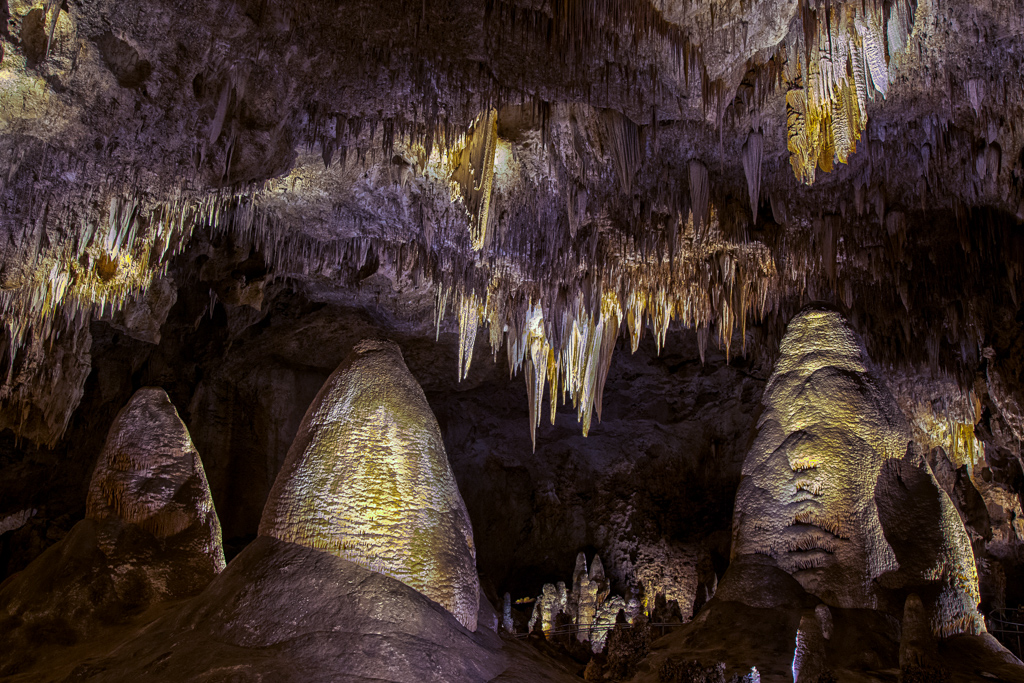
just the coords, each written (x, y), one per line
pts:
(151, 535)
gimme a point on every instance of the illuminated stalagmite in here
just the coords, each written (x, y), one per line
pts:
(805, 497)
(821, 487)
(151, 534)
(367, 479)
(149, 474)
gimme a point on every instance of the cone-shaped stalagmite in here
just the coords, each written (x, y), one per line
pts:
(150, 535)
(149, 474)
(367, 479)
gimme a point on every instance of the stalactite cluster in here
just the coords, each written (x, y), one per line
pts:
(847, 48)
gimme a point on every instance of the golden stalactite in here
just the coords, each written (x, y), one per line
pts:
(845, 64)
(473, 177)
(708, 283)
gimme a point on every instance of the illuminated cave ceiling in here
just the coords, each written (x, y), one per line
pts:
(542, 173)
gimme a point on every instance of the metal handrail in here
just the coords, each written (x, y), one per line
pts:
(572, 630)
(1007, 626)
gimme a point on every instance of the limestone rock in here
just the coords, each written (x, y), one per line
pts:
(805, 496)
(42, 390)
(588, 592)
(552, 602)
(151, 535)
(838, 505)
(932, 547)
(506, 614)
(367, 479)
(292, 614)
(604, 621)
(142, 318)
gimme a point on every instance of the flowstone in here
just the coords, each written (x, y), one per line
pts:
(367, 479)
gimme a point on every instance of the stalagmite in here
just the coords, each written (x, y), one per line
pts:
(916, 643)
(367, 479)
(837, 493)
(809, 653)
(150, 475)
(150, 536)
(805, 496)
(506, 614)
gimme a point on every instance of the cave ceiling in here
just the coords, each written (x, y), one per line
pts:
(543, 173)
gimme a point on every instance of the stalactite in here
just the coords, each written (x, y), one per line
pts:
(625, 143)
(700, 195)
(753, 153)
(473, 178)
(845, 62)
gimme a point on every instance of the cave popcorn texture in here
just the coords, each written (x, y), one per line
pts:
(367, 479)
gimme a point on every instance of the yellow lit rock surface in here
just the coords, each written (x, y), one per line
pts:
(367, 479)
(837, 494)
(806, 494)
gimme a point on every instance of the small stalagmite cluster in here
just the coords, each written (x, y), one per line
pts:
(588, 608)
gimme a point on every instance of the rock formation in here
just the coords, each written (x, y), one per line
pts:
(821, 494)
(806, 494)
(150, 535)
(589, 606)
(624, 203)
(367, 479)
(150, 475)
(840, 532)
(293, 614)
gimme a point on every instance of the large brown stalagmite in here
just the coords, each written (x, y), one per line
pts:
(150, 474)
(150, 535)
(823, 488)
(367, 479)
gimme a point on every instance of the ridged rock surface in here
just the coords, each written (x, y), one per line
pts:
(805, 498)
(835, 491)
(150, 474)
(841, 532)
(367, 479)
